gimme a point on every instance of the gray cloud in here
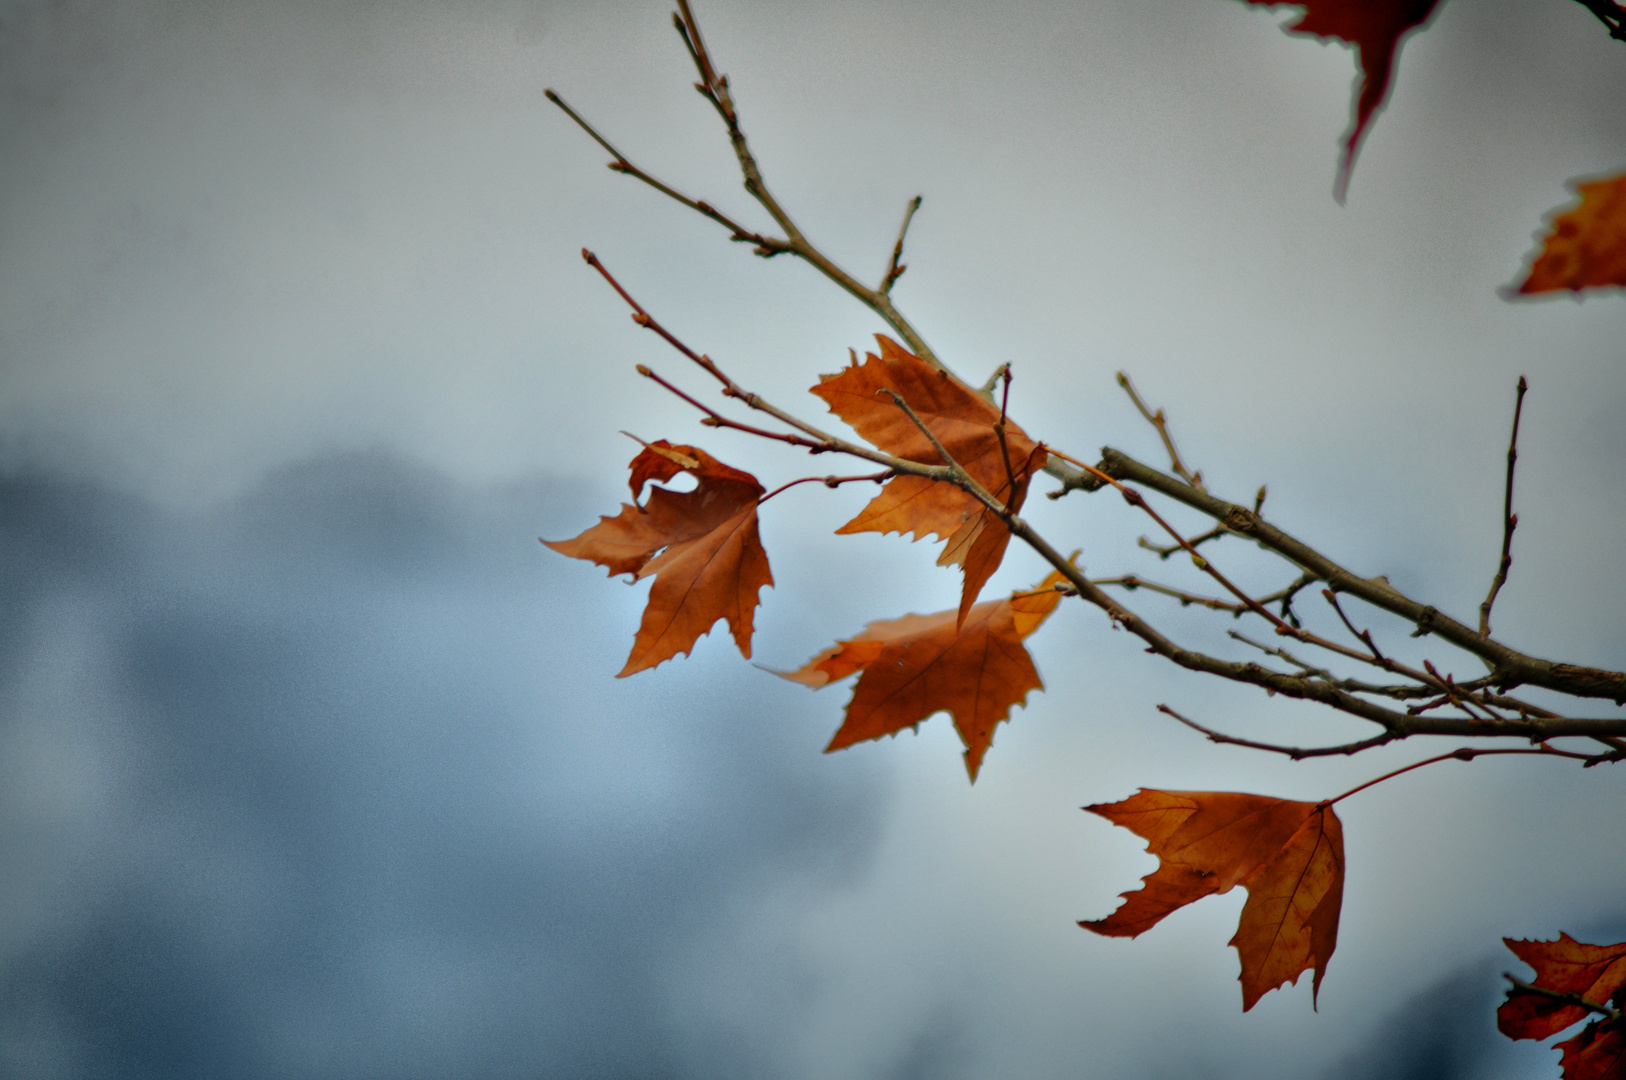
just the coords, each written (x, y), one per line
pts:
(295, 790)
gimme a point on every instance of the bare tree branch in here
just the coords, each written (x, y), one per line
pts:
(1511, 667)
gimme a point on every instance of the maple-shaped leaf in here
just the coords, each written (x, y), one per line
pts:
(922, 664)
(1288, 855)
(1374, 28)
(1598, 1052)
(964, 423)
(1585, 247)
(701, 547)
(1567, 966)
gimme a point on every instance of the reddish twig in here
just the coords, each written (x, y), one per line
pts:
(1462, 754)
(830, 482)
(1161, 423)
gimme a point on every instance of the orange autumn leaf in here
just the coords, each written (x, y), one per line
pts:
(701, 547)
(1567, 966)
(922, 664)
(1598, 1052)
(1585, 247)
(1375, 28)
(964, 423)
(1288, 855)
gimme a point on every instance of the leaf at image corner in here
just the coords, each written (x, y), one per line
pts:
(1597, 1053)
(1566, 966)
(1585, 246)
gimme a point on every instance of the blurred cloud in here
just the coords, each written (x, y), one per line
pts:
(314, 784)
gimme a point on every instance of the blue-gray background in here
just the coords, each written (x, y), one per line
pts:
(311, 759)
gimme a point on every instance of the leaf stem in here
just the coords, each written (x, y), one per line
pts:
(1465, 753)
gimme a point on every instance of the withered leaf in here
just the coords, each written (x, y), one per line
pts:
(1288, 855)
(1585, 247)
(922, 664)
(964, 423)
(701, 547)
(1375, 28)
(1594, 972)
(1597, 1052)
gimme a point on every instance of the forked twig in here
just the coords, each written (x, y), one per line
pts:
(895, 270)
(1163, 552)
(766, 246)
(1161, 423)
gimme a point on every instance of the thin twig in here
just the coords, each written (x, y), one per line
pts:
(1137, 500)
(818, 441)
(715, 88)
(1004, 447)
(830, 482)
(925, 429)
(1462, 754)
(1161, 423)
(1363, 636)
(987, 388)
(1295, 752)
(1130, 583)
(1163, 551)
(1308, 669)
(896, 269)
(1510, 520)
(716, 419)
(766, 246)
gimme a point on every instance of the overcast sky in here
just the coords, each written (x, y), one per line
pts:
(312, 761)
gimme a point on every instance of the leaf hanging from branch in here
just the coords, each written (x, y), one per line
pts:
(923, 664)
(966, 425)
(1288, 855)
(701, 547)
(1374, 28)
